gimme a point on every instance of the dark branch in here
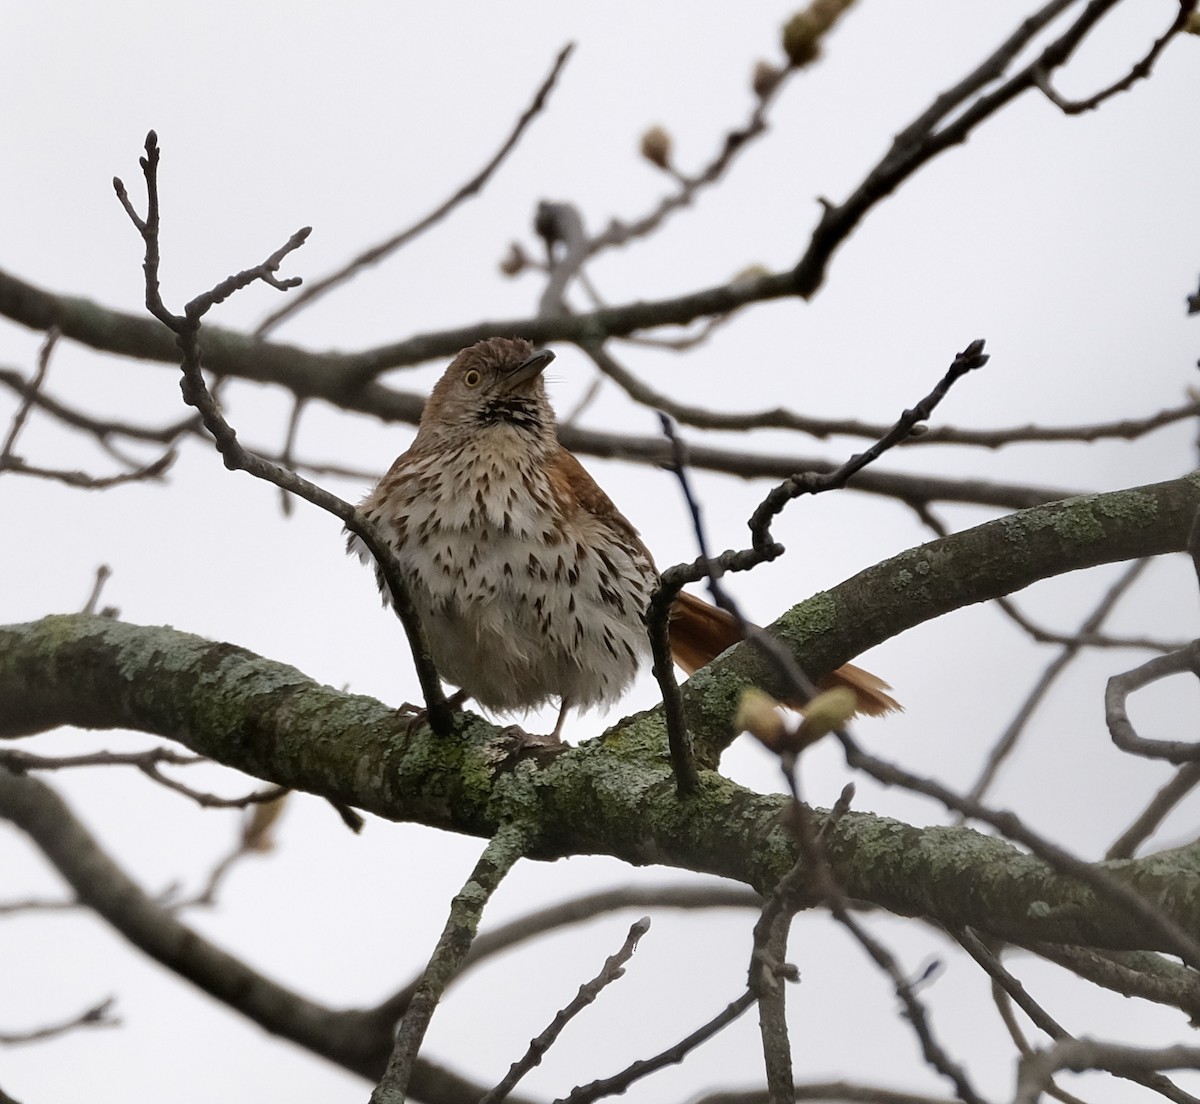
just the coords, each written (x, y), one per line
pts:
(384, 249)
(196, 394)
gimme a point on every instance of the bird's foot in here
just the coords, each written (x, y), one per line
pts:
(520, 740)
(413, 716)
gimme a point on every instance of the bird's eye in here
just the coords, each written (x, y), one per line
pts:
(472, 377)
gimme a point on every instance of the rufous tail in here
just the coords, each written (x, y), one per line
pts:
(701, 632)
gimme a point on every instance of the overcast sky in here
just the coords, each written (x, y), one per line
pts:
(1068, 243)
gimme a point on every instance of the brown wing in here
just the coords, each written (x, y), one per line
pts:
(701, 632)
(574, 489)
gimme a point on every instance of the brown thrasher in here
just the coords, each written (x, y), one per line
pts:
(529, 583)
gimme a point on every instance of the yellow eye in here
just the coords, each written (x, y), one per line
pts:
(472, 377)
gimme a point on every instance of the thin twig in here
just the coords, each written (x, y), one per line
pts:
(101, 428)
(384, 249)
(813, 871)
(36, 904)
(1116, 714)
(148, 762)
(658, 618)
(613, 970)
(577, 911)
(620, 1082)
(287, 457)
(1167, 931)
(196, 394)
(828, 1092)
(690, 186)
(1004, 1005)
(1081, 1055)
(822, 428)
(1185, 779)
(1139, 71)
(1142, 974)
(149, 472)
(31, 393)
(501, 852)
(103, 574)
(1004, 746)
(99, 1015)
(970, 359)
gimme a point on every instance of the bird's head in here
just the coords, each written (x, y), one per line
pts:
(497, 382)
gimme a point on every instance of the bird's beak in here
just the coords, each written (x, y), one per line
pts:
(533, 365)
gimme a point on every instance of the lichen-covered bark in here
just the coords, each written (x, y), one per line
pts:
(993, 559)
(616, 796)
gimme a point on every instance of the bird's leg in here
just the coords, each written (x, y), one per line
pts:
(556, 735)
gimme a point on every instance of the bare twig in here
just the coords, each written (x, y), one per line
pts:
(101, 428)
(620, 1082)
(658, 618)
(971, 358)
(1140, 70)
(1080, 1055)
(1003, 747)
(1042, 635)
(1121, 729)
(98, 1015)
(1171, 935)
(576, 911)
(287, 457)
(30, 396)
(621, 233)
(103, 574)
(358, 1041)
(613, 970)
(822, 428)
(196, 393)
(384, 249)
(35, 904)
(1181, 784)
(769, 971)
(1008, 1015)
(828, 1092)
(1141, 974)
(502, 851)
(148, 762)
(813, 873)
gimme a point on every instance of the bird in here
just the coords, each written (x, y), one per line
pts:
(530, 585)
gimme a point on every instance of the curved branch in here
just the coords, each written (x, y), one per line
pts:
(975, 565)
(356, 1040)
(337, 379)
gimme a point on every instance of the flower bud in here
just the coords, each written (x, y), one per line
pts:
(758, 713)
(656, 147)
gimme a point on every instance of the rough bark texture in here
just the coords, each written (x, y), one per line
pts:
(616, 795)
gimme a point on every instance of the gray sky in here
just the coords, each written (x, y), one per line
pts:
(1068, 243)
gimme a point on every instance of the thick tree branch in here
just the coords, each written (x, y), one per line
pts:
(613, 798)
(357, 1040)
(336, 378)
(975, 565)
